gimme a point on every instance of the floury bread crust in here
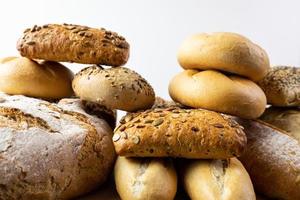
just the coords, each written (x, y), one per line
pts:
(74, 43)
(51, 151)
(176, 132)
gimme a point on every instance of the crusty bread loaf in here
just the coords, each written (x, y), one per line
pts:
(215, 91)
(217, 179)
(176, 132)
(145, 178)
(116, 88)
(229, 52)
(41, 79)
(51, 151)
(287, 119)
(272, 160)
(282, 86)
(74, 43)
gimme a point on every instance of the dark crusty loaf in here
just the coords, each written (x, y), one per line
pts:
(51, 151)
(282, 86)
(272, 159)
(74, 43)
(176, 132)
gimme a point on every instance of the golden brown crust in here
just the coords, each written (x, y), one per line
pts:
(141, 178)
(116, 88)
(217, 179)
(74, 43)
(287, 119)
(272, 159)
(282, 86)
(223, 51)
(215, 91)
(176, 132)
(51, 151)
(41, 79)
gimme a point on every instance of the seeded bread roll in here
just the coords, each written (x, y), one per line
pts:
(215, 91)
(217, 179)
(51, 151)
(229, 52)
(287, 119)
(162, 103)
(272, 160)
(145, 178)
(176, 132)
(116, 88)
(41, 79)
(282, 86)
(74, 43)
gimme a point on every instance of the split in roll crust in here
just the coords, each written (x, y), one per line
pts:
(74, 43)
(176, 132)
(116, 88)
(145, 178)
(229, 52)
(282, 86)
(41, 79)
(215, 91)
(217, 179)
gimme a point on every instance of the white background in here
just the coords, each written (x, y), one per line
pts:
(155, 28)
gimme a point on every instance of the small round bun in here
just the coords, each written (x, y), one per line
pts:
(229, 52)
(116, 88)
(40, 79)
(215, 91)
(282, 86)
(217, 179)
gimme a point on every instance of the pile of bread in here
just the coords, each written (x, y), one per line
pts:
(57, 142)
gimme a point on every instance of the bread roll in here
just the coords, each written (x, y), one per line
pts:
(145, 179)
(287, 119)
(41, 79)
(116, 88)
(176, 132)
(215, 91)
(217, 179)
(282, 86)
(272, 160)
(51, 151)
(74, 43)
(229, 52)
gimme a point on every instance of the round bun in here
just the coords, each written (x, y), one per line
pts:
(145, 178)
(74, 43)
(217, 179)
(215, 91)
(282, 86)
(229, 52)
(41, 79)
(116, 88)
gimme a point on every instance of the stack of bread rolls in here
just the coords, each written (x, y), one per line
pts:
(52, 144)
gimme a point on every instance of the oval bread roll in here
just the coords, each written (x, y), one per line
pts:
(229, 52)
(74, 43)
(51, 151)
(177, 132)
(145, 178)
(41, 79)
(116, 88)
(215, 91)
(217, 179)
